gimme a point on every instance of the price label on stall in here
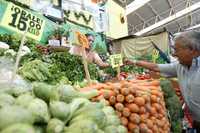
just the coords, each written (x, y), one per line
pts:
(116, 60)
(82, 39)
(155, 55)
(18, 20)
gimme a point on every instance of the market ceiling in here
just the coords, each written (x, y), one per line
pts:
(152, 16)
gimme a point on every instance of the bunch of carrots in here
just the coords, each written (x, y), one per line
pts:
(139, 104)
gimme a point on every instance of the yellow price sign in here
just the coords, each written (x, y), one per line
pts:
(116, 60)
(19, 20)
(155, 55)
(82, 39)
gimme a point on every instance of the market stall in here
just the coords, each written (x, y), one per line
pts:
(46, 89)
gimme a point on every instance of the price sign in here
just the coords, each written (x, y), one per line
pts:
(82, 39)
(155, 55)
(116, 60)
(18, 20)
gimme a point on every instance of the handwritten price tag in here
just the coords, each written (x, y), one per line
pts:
(116, 60)
(155, 55)
(18, 19)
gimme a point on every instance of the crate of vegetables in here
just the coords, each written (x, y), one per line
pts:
(139, 104)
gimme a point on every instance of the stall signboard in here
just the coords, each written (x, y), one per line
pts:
(116, 60)
(19, 20)
(16, 20)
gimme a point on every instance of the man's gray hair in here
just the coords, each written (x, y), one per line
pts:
(190, 39)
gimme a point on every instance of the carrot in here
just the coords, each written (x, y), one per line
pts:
(125, 91)
(133, 90)
(107, 93)
(119, 114)
(133, 108)
(142, 110)
(119, 107)
(129, 98)
(135, 118)
(126, 112)
(140, 101)
(133, 128)
(112, 100)
(154, 99)
(116, 91)
(150, 83)
(143, 128)
(124, 121)
(120, 98)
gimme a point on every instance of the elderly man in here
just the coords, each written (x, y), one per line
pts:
(187, 70)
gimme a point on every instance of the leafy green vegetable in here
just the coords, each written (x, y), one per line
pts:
(167, 88)
(55, 126)
(70, 66)
(173, 105)
(39, 110)
(19, 128)
(35, 70)
(14, 114)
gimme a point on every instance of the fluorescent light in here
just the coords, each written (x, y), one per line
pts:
(169, 19)
(135, 5)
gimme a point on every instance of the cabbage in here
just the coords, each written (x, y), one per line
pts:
(111, 129)
(17, 91)
(24, 100)
(95, 115)
(55, 126)
(19, 128)
(100, 131)
(113, 120)
(45, 92)
(122, 129)
(39, 129)
(80, 105)
(83, 126)
(77, 104)
(39, 110)
(59, 110)
(109, 110)
(14, 114)
(6, 99)
(68, 93)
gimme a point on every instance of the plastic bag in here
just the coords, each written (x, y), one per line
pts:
(18, 85)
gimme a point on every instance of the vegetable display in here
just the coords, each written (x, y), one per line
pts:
(56, 109)
(139, 104)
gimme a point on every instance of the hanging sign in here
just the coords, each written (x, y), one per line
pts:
(18, 20)
(155, 55)
(116, 60)
(82, 39)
